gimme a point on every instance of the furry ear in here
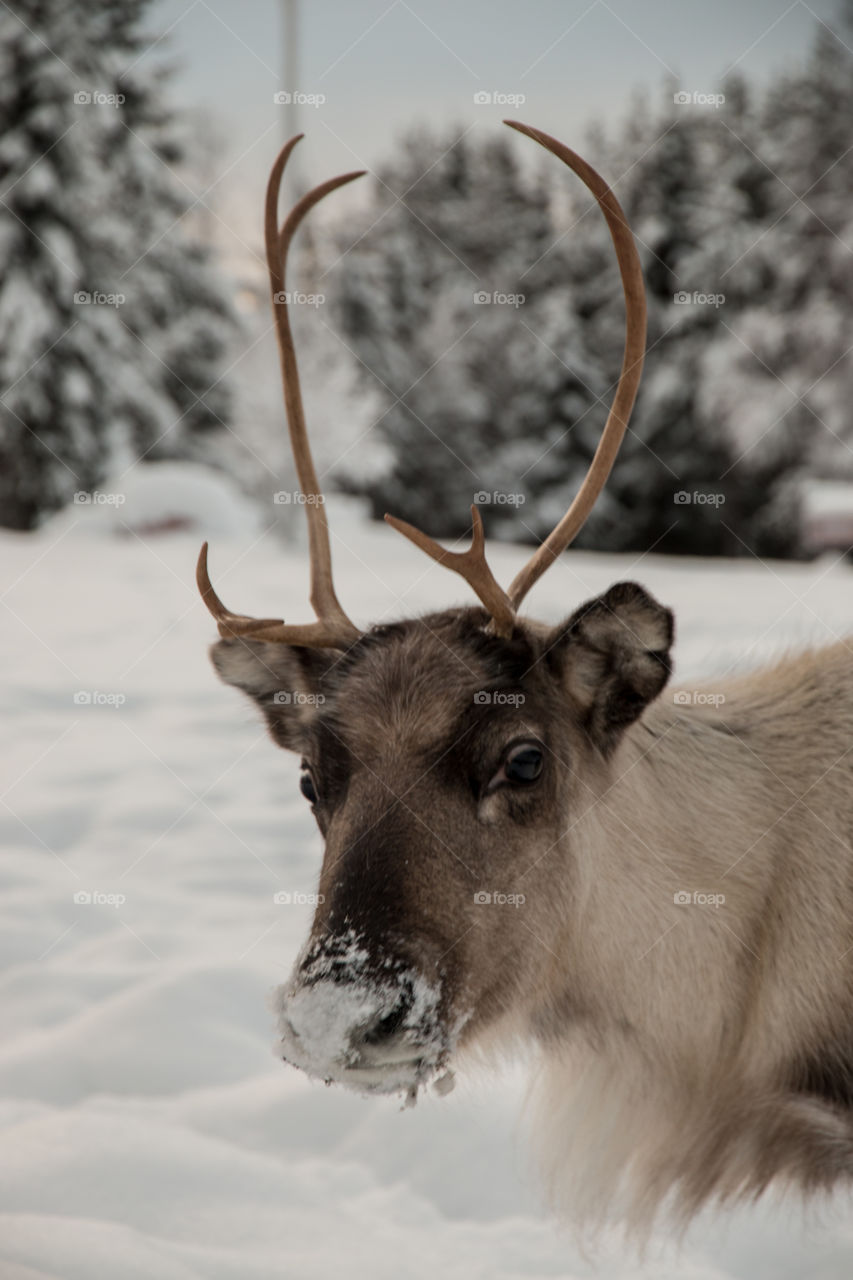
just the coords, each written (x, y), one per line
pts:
(613, 655)
(283, 680)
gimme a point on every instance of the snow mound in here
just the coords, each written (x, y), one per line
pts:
(163, 497)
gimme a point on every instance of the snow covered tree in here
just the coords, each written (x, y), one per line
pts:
(512, 399)
(439, 303)
(685, 479)
(805, 340)
(112, 324)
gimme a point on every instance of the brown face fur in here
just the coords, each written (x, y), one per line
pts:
(405, 737)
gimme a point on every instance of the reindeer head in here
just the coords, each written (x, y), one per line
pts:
(441, 756)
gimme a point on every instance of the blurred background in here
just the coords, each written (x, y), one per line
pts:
(458, 312)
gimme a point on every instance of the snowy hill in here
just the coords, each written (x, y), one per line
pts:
(148, 1130)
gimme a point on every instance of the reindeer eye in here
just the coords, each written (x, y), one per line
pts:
(523, 763)
(306, 786)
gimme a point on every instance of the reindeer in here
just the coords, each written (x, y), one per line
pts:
(512, 816)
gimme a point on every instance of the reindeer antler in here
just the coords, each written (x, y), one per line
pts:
(333, 629)
(472, 564)
(633, 356)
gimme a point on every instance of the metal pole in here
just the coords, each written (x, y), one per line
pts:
(291, 85)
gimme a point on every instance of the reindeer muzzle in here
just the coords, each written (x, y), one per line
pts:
(375, 1029)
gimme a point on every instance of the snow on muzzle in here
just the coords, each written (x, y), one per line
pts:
(372, 1027)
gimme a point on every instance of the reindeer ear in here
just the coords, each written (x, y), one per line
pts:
(283, 680)
(613, 654)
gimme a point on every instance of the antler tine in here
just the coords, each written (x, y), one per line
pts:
(471, 564)
(230, 624)
(629, 377)
(317, 635)
(322, 594)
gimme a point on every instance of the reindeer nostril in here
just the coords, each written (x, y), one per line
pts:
(387, 1026)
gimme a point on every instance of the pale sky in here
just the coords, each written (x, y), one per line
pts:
(383, 64)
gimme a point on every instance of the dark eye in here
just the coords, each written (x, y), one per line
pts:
(306, 786)
(522, 763)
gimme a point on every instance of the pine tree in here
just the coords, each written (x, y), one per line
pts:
(683, 480)
(515, 402)
(455, 223)
(806, 119)
(112, 325)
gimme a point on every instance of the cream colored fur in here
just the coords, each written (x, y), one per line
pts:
(672, 1080)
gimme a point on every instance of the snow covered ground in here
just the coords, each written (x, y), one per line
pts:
(148, 1131)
